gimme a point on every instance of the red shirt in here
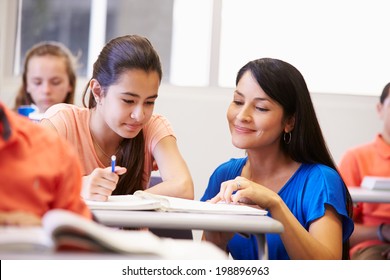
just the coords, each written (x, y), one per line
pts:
(39, 171)
(372, 159)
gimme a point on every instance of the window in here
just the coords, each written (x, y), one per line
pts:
(339, 46)
(55, 20)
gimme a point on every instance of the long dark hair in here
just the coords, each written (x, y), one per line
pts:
(119, 55)
(52, 48)
(285, 84)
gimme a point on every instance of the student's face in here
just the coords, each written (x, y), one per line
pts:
(255, 120)
(47, 81)
(128, 105)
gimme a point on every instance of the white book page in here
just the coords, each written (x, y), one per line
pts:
(174, 204)
(124, 202)
(130, 241)
(24, 239)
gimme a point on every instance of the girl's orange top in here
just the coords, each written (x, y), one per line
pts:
(72, 123)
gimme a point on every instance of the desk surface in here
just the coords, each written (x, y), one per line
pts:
(170, 220)
(363, 195)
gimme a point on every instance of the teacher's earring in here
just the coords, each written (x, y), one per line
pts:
(287, 137)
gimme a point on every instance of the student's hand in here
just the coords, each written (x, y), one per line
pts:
(101, 183)
(19, 218)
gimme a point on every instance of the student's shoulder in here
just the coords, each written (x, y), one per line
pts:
(362, 148)
(38, 137)
(64, 109)
(157, 122)
(159, 119)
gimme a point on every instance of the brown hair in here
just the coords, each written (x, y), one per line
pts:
(119, 55)
(385, 93)
(48, 48)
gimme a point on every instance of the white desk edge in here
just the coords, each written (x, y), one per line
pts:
(359, 194)
(258, 225)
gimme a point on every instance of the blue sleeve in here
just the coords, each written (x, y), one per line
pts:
(329, 190)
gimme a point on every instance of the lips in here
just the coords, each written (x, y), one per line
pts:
(241, 129)
(133, 127)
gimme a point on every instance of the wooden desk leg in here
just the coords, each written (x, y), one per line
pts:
(262, 246)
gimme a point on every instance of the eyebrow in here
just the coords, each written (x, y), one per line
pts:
(256, 98)
(138, 96)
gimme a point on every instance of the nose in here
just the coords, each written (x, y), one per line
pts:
(138, 114)
(244, 114)
(46, 88)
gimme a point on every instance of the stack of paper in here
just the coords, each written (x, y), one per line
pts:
(376, 183)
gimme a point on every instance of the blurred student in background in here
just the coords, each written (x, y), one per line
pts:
(288, 169)
(39, 171)
(49, 76)
(119, 121)
(371, 238)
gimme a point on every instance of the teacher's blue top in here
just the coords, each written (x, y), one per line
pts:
(306, 193)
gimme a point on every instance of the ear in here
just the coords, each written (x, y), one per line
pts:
(379, 109)
(96, 90)
(290, 124)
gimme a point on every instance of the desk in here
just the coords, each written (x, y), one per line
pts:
(363, 195)
(258, 225)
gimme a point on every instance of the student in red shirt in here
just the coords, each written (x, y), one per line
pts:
(39, 171)
(371, 238)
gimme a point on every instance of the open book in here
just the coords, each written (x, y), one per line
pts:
(376, 183)
(142, 200)
(65, 231)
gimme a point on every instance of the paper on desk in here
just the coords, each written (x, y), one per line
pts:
(174, 204)
(124, 202)
(376, 183)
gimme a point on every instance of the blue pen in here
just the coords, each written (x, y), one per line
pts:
(113, 163)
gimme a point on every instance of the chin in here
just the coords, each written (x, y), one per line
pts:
(239, 145)
(129, 134)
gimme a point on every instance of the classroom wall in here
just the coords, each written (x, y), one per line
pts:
(198, 117)
(198, 114)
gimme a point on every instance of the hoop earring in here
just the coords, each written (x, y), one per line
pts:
(287, 137)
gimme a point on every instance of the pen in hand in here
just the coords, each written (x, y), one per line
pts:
(113, 163)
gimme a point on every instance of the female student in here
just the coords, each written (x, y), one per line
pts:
(48, 77)
(287, 171)
(119, 121)
(38, 172)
